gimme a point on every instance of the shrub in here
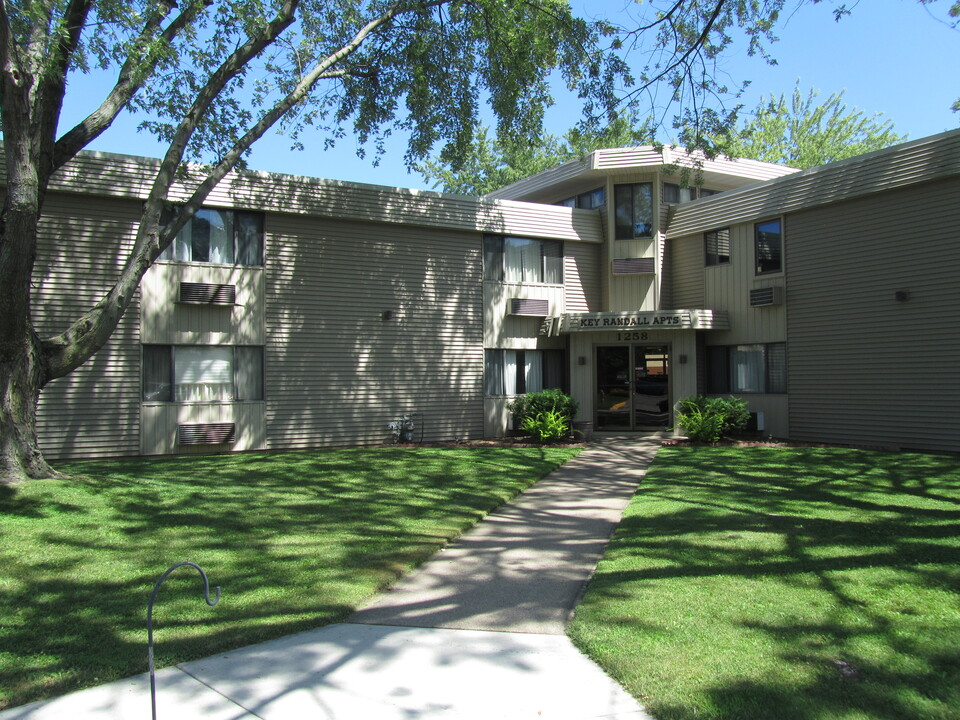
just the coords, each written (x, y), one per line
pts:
(532, 404)
(548, 426)
(709, 419)
(547, 414)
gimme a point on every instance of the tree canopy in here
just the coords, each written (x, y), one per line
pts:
(802, 133)
(494, 163)
(211, 77)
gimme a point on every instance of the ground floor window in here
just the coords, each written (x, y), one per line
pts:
(757, 368)
(515, 372)
(202, 373)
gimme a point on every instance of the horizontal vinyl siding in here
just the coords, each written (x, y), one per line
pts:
(336, 373)
(903, 165)
(581, 276)
(685, 273)
(93, 411)
(124, 176)
(727, 287)
(863, 367)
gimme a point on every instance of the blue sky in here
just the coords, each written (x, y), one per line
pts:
(895, 57)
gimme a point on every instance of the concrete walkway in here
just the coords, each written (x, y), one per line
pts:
(475, 633)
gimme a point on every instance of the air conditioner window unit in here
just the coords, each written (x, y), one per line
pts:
(764, 297)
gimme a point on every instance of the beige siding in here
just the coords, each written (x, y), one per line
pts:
(727, 287)
(337, 372)
(581, 276)
(94, 411)
(863, 367)
(160, 421)
(685, 272)
(503, 330)
(900, 166)
(166, 321)
(119, 175)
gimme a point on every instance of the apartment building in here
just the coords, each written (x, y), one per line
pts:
(296, 312)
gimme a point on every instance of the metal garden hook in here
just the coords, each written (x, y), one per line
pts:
(153, 597)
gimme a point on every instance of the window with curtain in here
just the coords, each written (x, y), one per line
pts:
(633, 210)
(515, 372)
(223, 237)
(758, 368)
(202, 373)
(522, 260)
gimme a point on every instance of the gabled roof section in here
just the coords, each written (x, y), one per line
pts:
(923, 160)
(601, 163)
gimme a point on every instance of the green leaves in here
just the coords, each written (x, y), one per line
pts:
(803, 134)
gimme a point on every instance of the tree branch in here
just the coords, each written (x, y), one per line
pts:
(135, 70)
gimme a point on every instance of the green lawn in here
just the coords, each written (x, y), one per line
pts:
(296, 540)
(784, 583)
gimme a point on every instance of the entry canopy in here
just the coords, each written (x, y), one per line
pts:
(695, 319)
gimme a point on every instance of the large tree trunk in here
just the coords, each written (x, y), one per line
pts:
(20, 383)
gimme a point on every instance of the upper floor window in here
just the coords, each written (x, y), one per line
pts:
(633, 210)
(769, 246)
(225, 237)
(202, 373)
(716, 247)
(674, 194)
(586, 201)
(525, 260)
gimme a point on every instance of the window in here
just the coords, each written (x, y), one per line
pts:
(747, 368)
(225, 237)
(634, 210)
(202, 373)
(769, 247)
(515, 259)
(716, 247)
(673, 193)
(515, 372)
(590, 200)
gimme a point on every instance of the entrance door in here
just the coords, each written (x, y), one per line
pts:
(633, 384)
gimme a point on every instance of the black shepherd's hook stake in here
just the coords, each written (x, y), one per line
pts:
(153, 597)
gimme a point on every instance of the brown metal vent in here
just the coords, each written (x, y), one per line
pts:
(207, 434)
(632, 266)
(208, 293)
(529, 306)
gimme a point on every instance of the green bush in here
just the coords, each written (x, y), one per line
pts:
(548, 426)
(547, 414)
(709, 419)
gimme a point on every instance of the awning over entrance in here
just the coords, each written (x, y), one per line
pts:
(695, 319)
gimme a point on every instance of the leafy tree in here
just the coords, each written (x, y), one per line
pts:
(213, 76)
(494, 163)
(804, 134)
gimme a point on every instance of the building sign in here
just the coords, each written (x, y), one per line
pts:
(617, 321)
(661, 320)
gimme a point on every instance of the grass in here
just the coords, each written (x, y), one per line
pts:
(787, 583)
(296, 540)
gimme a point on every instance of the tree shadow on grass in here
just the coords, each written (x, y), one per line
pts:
(841, 568)
(296, 540)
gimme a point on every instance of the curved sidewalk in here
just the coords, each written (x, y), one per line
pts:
(477, 632)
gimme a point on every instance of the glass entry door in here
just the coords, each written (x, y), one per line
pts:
(633, 387)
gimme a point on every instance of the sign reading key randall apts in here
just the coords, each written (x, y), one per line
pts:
(654, 320)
